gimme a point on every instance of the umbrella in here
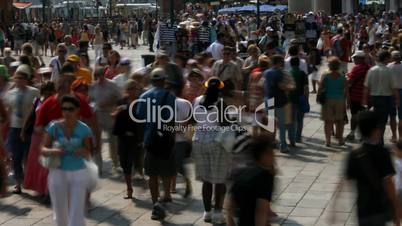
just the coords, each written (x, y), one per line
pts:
(281, 7)
(246, 8)
(267, 8)
(229, 10)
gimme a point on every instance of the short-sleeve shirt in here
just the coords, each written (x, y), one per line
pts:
(370, 200)
(335, 87)
(301, 81)
(20, 107)
(226, 72)
(56, 66)
(106, 92)
(380, 81)
(69, 161)
(273, 78)
(51, 110)
(252, 184)
(156, 97)
(84, 74)
(397, 73)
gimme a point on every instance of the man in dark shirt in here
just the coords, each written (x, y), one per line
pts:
(276, 87)
(371, 167)
(252, 189)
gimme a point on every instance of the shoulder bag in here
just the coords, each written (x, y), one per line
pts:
(51, 162)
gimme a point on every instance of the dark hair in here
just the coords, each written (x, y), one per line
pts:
(47, 86)
(67, 68)
(294, 62)
(334, 63)
(293, 50)
(220, 36)
(368, 121)
(24, 59)
(277, 59)
(228, 49)
(211, 94)
(383, 56)
(259, 146)
(339, 30)
(70, 99)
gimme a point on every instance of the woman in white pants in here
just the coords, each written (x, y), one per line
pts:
(69, 139)
(98, 42)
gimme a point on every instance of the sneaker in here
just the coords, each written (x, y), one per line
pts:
(284, 150)
(158, 213)
(218, 218)
(208, 216)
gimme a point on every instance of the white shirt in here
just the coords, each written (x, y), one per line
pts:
(371, 34)
(56, 68)
(11, 101)
(397, 73)
(183, 111)
(398, 176)
(104, 95)
(121, 80)
(216, 50)
(302, 66)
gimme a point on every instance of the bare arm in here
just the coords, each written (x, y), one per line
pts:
(389, 186)
(46, 147)
(93, 124)
(261, 210)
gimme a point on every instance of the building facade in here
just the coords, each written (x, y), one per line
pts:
(335, 6)
(165, 5)
(6, 12)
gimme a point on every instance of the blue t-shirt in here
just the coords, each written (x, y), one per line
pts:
(148, 107)
(69, 161)
(271, 87)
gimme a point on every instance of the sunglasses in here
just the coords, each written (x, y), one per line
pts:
(68, 109)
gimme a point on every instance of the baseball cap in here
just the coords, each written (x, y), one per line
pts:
(73, 58)
(24, 69)
(125, 62)
(158, 74)
(269, 29)
(359, 54)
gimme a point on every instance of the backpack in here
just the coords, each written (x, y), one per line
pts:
(337, 48)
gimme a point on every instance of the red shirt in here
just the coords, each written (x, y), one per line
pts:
(345, 45)
(50, 110)
(356, 81)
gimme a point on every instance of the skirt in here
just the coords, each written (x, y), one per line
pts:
(35, 175)
(333, 110)
(212, 162)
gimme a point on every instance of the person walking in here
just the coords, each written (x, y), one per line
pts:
(336, 100)
(159, 160)
(356, 78)
(71, 141)
(380, 86)
(396, 68)
(98, 42)
(105, 94)
(19, 102)
(129, 135)
(211, 160)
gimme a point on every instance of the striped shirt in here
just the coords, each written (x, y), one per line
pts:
(167, 33)
(203, 34)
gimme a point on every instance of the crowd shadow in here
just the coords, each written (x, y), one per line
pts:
(14, 210)
(102, 214)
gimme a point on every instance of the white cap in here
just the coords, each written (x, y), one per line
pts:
(359, 53)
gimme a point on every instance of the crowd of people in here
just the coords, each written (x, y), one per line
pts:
(54, 113)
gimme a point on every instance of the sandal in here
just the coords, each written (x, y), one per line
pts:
(17, 190)
(129, 194)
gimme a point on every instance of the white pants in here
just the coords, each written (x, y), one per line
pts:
(68, 190)
(98, 50)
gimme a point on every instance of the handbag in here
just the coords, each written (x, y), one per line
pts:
(93, 175)
(322, 95)
(51, 162)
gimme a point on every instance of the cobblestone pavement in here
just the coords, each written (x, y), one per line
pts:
(306, 185)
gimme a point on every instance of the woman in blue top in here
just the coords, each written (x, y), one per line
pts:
(337, 96)
(70, 139)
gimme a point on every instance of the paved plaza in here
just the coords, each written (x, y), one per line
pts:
(306, 185)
